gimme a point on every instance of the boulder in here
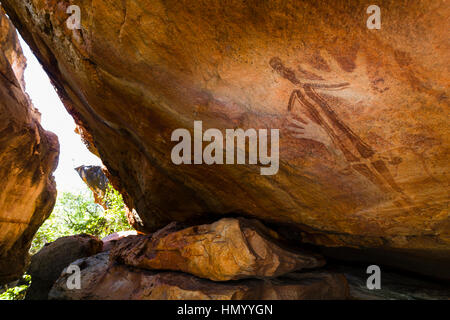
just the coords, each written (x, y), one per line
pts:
(110, 240)
(362, 113)
(28, 157)
(103, 281)
(47, 264)
(96, 180)
(228, 249)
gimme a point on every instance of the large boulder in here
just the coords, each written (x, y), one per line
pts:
(103, 281)
(46, 265)
(28, 157)
(362, 112)
(228, 249)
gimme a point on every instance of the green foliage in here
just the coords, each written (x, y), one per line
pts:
(74, 214)
(77, 213)
(115, 217)
(17, 292)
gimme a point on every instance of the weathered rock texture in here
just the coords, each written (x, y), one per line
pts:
(369, 168)
(28, 157)
(99, 280)
(228, 249)
(110, 240)
(47, 264)
(96, 180)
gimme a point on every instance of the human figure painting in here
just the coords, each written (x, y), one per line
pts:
(311, 117)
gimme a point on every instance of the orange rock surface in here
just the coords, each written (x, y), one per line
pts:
(228, 249)
(28, 157)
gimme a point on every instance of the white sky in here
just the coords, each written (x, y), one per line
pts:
(55, 118)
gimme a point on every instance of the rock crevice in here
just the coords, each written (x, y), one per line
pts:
(28, 157)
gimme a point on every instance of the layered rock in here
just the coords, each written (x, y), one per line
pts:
(141, 267)
(228, 249)
(28, 157)
(364, 128)
(98, 278)
(46, 265)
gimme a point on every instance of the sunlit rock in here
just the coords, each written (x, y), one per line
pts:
(28, 157)
(110, 240)
(228, 249)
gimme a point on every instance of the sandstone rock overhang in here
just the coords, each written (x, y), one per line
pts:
(28, 157)
(370, 167)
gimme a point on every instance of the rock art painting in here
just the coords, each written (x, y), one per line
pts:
(312, 117)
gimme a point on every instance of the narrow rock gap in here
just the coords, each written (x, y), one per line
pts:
(56, 119)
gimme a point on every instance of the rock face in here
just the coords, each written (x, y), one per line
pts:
(28, 157)
(96, 180)
(98, 277)
(228, 249)
(47, 264)
(363, 114)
